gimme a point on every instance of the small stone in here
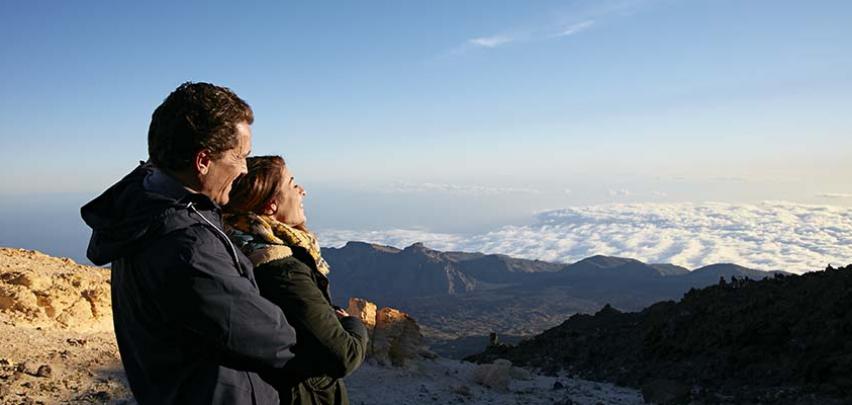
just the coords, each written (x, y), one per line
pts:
(76, 342)
(463, 390)
(558, 385)
(44, 371)
(28, 368)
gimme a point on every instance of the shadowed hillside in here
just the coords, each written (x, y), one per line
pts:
(786, 339)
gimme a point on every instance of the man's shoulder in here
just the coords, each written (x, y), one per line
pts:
(188, 244)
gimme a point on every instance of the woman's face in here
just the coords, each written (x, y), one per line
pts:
(288, 201)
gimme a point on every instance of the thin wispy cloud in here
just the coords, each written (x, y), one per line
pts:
(573, 29)
(499, 40)
(835, 196)
(490, 42)
(577, 20)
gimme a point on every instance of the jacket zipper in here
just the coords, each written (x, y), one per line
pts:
(234, 256)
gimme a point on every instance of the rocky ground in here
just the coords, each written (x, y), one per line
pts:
(444, 381)
(56, 336)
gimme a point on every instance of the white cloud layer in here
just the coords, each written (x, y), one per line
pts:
(770, 235)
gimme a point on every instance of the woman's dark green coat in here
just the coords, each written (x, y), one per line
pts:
(327, 348)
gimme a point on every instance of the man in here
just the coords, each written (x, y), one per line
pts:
(190, 323)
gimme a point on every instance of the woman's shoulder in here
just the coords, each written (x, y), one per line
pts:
(280, 261)
(270, 253)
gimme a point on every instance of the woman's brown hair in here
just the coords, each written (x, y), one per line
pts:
(252, 191)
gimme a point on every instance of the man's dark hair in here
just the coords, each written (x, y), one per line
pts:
(194, 117)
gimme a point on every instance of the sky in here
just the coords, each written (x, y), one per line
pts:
(445, 117)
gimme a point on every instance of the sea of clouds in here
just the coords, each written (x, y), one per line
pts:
(770, 235)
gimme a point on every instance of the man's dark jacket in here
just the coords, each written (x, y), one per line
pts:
(190, 323)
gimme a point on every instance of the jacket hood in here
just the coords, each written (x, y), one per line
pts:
(144, 204)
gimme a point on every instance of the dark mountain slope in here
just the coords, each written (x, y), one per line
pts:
(385, 274)
(786, 339)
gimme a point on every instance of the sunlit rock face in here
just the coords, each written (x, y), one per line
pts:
(363, 310)
(395, 337)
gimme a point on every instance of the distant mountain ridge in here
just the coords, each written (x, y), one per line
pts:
(458, 294)
(420, 271)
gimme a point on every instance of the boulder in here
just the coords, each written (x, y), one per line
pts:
(396, 338)
(494, 375)
(363, 310)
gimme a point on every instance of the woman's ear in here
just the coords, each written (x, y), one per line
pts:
(270, 208)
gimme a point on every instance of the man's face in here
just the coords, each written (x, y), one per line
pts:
(222, 172)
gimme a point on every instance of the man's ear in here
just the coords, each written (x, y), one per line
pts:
(202, 162)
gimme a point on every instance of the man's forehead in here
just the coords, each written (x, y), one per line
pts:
(243, 136)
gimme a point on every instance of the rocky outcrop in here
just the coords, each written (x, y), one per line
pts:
(53, 292)
(363, 310)
(395, 337)
(56, 331)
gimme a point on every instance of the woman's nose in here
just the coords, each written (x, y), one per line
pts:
(302, 190)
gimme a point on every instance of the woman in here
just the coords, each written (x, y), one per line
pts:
(265, 217)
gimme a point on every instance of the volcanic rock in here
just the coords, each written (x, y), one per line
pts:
(396, 338)
(363, 310)
(50, 308)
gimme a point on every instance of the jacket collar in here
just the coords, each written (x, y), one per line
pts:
(160, 182)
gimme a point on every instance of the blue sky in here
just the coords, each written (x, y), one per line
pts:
(449, 115)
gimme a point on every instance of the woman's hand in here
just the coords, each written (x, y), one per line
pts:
(340, 312)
